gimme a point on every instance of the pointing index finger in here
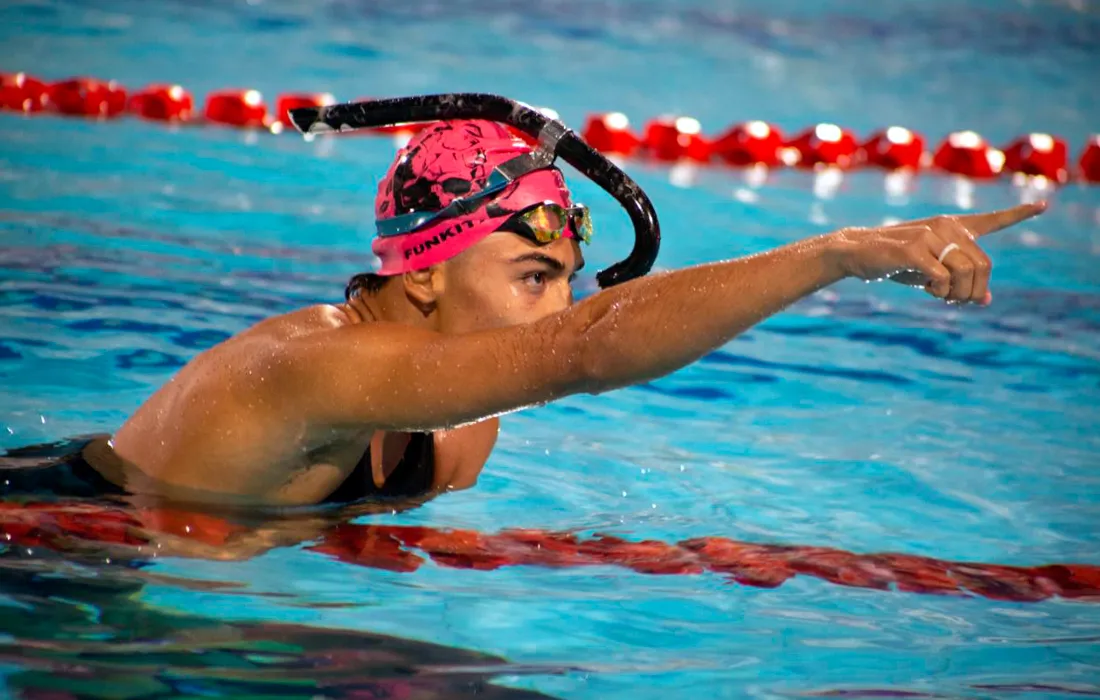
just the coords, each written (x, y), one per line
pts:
(990, 222)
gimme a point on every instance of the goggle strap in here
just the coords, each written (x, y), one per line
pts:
(403, 223)
(406, 223)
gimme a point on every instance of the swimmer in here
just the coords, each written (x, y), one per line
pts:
(396, 391)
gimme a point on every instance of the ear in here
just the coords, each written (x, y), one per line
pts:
(423, 287)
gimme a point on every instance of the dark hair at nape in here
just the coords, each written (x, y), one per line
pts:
(367, 282)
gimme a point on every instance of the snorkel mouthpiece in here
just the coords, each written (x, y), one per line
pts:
(555, 141)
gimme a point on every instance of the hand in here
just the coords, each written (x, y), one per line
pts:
(940, 254)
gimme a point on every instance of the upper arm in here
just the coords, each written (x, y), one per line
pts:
(397, 377)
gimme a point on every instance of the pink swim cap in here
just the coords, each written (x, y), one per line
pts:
(444, 162)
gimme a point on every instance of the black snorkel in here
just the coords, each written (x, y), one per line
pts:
(555, 140)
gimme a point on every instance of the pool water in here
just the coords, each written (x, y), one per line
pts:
(867, 418)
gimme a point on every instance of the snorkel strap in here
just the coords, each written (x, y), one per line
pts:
(542, 157)
(555, 140)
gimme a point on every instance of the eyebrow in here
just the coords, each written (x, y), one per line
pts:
(552, 263)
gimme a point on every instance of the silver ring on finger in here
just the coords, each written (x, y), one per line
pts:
(947, 250)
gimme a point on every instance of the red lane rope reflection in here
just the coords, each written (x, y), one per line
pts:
(400, 548)
(62, 526)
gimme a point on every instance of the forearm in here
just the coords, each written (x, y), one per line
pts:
(652, 326)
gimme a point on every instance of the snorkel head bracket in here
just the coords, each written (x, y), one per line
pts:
(555, 140)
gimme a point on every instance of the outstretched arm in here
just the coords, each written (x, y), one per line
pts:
(399, 378)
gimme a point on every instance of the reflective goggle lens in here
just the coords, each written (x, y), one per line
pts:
(546, 218)
(549, 221)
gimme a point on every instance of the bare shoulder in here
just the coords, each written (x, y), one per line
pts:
(233, 363)
(257, 347)
(323, 323)
(221, 407)
(311, 319)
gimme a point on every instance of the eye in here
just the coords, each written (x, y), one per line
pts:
(535, 279)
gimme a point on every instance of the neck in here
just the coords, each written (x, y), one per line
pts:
(390, 305)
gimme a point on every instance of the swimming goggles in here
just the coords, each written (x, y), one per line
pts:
(548, 221)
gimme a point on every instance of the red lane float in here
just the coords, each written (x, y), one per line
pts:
(1039, 155)
(81, 527)
(87, 97)
(22, 93)
(1089, 163)
(240, 108)
(668, 139)
(967, 153)
(825, 145)
(610, 133)
(894, 148)
(750, 143)
(672, 138)
(168, 103)
(286, 102)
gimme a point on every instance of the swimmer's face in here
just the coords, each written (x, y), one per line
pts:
(506, 280)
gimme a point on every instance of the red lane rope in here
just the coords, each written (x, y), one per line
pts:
(1035, 156)
(75, 526)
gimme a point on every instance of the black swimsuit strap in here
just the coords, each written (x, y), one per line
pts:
(412, 476)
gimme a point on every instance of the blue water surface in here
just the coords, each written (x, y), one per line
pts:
(868, 417)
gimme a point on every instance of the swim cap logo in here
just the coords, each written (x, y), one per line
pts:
(439, 238)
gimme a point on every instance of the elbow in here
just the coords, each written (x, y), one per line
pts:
(590, 354)
(593, 370)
